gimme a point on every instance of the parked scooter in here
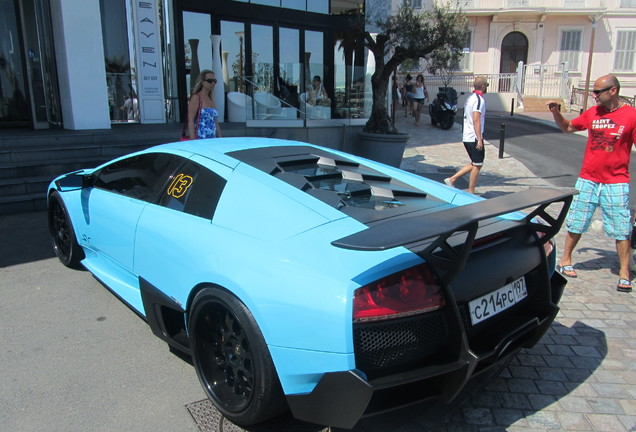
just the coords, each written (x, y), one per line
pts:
(444, 107)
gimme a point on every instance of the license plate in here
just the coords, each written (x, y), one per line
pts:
(492, 303)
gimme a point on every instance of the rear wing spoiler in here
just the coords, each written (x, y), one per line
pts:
(405, 231)
(441, 225)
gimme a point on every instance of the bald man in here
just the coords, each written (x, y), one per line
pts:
(604, 178)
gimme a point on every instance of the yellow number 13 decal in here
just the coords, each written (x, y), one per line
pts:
(180, 185)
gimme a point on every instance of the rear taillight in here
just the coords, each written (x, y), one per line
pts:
(548, 246)
(409, 292)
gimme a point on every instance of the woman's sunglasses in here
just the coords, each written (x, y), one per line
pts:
(210, 80)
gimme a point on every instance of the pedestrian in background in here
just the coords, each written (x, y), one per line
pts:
(203, 118)
(408, 92)
(473, 135)
(395, 97)
(604, 178)
(419, 96)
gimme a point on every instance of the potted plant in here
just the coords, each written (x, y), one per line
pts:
(405, 35)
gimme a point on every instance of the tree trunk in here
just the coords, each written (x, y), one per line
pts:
(379, 120)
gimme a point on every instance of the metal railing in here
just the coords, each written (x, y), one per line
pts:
(550, 81)
(470, 5)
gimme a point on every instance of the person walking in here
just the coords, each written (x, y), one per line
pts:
(419, 95)
(473, 135)
(604, 177)
(203, 118)
(408, 93)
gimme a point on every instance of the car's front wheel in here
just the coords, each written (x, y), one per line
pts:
(65, 244)
(232, 359)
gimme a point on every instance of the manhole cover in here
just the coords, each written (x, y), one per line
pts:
(209, 419)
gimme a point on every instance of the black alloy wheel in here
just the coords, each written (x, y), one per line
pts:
(232, 359)
(62, 234)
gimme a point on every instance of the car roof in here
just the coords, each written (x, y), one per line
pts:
(363, 189)
(213, 148)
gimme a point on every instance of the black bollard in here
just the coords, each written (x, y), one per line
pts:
(512, 107)
(502, 138)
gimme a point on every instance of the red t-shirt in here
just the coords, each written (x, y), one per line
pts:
(609, 143)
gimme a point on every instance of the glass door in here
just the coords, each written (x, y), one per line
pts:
(13, 97)
(41, 71)
(122, 86)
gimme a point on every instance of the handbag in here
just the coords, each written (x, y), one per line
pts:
(185, 135)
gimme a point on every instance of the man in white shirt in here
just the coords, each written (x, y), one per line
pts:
(474, 120)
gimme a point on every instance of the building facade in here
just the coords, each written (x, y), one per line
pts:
(589, 38)
(89, 64)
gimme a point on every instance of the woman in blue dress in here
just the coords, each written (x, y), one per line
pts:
(203, 118)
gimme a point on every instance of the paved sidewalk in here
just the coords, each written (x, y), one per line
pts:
(582, 375)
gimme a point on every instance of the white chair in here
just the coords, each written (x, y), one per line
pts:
(239, 107)
(314, 112)
(267, 105)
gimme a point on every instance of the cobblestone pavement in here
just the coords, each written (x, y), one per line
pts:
(582, 375)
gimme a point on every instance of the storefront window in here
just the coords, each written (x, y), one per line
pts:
(263, 58)
(233, 52)
(290, 77)
(319, 6)
(314, 56)
(13, 102)
(122, 87)
(197, 31)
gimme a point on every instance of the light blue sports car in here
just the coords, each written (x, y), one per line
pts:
(303, 278)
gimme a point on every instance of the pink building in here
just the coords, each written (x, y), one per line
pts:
(594, 37)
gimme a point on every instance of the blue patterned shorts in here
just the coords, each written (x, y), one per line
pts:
(614, 202)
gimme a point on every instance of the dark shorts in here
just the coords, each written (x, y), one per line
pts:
(476, 156)
(419, 101)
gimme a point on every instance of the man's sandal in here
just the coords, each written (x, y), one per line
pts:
(566, 270)
(624, 285)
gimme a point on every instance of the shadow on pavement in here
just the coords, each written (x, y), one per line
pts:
(498, 398)
(25, 238)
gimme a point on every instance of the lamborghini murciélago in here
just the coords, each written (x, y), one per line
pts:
(307, 279)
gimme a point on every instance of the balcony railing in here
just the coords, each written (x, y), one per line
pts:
(497, 5)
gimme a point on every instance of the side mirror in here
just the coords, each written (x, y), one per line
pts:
(74, 181)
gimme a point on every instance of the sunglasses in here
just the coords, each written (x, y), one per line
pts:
(598, 92)
(210, 80)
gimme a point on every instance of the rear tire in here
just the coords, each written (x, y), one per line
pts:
(68, 251)
(232, 360)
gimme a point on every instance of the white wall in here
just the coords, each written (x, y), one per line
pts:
(77, 34)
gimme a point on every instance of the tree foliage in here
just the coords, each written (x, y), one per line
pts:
(444, 62)
(408, 35)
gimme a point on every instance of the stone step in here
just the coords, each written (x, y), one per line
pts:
(30, 159)
(22, 203)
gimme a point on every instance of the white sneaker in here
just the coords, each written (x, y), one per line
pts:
(447, 181)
